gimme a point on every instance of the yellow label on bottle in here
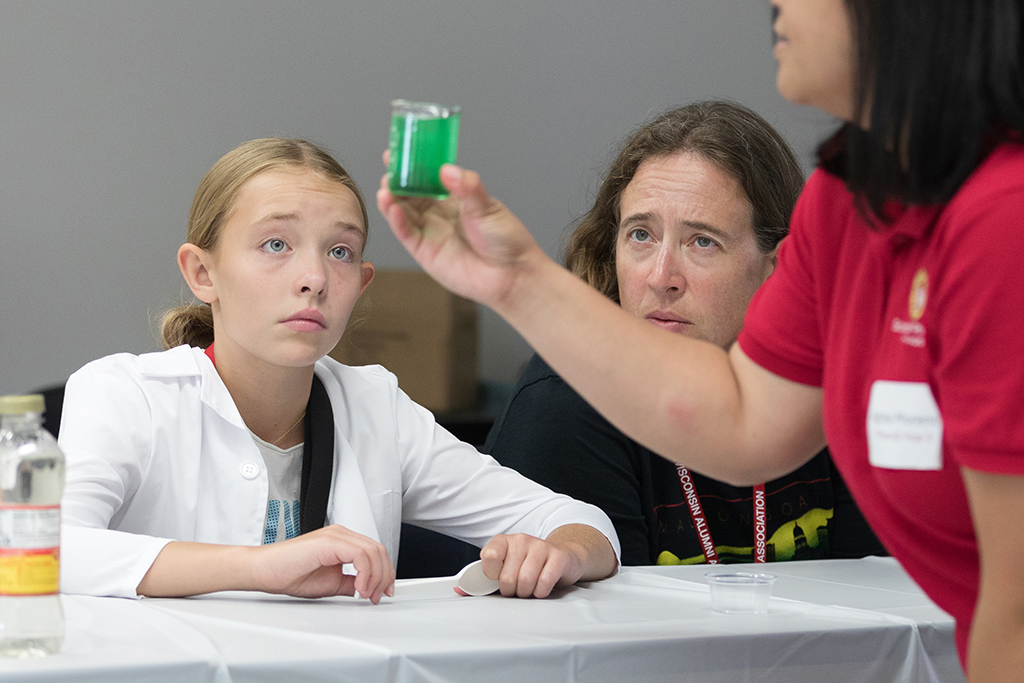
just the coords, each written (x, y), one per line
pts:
(29, 572)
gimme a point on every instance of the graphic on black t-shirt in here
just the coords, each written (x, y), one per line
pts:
(550, 434)
(798, 514)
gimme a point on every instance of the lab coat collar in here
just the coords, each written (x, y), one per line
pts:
(186, 361)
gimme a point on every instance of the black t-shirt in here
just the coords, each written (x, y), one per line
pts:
(550, 434)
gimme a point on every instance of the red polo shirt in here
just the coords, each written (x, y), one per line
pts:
(933, 303)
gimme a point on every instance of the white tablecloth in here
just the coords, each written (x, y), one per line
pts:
(830, 620)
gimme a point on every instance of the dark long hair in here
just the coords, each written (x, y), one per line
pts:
(942, 82)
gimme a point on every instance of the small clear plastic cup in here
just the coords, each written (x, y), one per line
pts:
(740, 592)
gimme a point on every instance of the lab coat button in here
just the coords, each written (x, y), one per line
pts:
(250, 470)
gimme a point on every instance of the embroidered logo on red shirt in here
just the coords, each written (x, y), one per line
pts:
(918, 294)
(912, 331)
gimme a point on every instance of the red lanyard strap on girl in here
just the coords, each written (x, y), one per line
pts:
(700, 522)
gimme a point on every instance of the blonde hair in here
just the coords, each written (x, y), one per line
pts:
(192, 324)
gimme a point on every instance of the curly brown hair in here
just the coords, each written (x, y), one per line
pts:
(727, 134)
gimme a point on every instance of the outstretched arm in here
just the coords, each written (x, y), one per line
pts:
(688, 400)
(527, 566)
(307, 566)
(996, 648)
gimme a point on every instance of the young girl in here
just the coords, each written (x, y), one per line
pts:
(195, 469)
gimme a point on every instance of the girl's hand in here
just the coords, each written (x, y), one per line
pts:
(310, 565)
(527, 566)
(470, 243)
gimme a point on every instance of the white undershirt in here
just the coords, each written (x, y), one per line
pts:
(284, 474)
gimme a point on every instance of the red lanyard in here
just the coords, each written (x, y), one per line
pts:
(700, 522)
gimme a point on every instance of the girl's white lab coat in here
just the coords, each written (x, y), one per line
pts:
(157, 451)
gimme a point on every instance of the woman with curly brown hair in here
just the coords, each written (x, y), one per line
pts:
(683, 231)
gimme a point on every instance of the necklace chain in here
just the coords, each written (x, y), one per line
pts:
(289, 430)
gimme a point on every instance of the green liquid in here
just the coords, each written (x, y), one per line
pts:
(419, 147)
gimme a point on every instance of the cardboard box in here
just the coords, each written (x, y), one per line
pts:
(420, 331)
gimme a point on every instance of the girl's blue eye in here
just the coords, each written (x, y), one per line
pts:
(704, 242)
(341, 253)
(275, 246)
(640, 235)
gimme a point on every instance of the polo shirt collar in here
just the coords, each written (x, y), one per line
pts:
(913, 221)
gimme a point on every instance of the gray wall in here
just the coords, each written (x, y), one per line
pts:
(111, 111)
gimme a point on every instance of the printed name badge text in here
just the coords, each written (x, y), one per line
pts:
(904, 426)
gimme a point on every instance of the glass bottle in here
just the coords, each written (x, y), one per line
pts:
(31, 482)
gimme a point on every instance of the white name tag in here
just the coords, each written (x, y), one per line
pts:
(904, 427)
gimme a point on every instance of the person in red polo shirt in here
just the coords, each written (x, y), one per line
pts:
(892, 324)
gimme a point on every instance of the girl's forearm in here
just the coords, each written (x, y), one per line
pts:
(597, 557)
(185, 568)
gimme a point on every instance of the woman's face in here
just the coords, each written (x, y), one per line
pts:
(287, 268)
(686, 256)
(816, 53)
